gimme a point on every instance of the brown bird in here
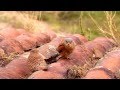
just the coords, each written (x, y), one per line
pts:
(65, 48)
(36, 61)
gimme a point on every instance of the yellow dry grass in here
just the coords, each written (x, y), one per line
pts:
(110, 28)
(24, 20)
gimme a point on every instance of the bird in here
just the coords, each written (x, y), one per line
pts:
(36, 61)
(65, 48)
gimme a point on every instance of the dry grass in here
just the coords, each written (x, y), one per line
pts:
(11, 56)
(32, 21)
(5, 59)
(26, 20)
(77, 72)
(81, 23)
(109, 28)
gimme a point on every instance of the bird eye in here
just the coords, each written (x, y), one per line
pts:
(66, 41)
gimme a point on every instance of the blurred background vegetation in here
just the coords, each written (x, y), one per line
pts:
(88, 23)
